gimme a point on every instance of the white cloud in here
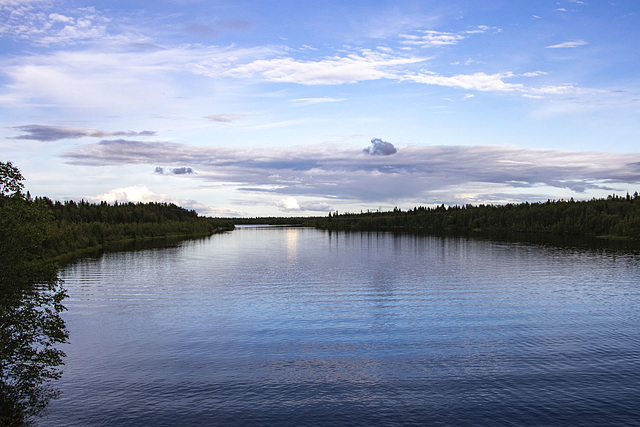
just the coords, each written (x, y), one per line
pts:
(288, 204)
(328, 71)
(478, 81)
(428, 38)
(28, 20)
(291, 204)
(113, 80)
(56, 17)
(323, 100)
(480, 29)
(225, 118)
(569, 44)
(431, 38)
(134, 193)
(126, 82)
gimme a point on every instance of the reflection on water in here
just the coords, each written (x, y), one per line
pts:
(30, 330)
(291, 242)
(295, 326)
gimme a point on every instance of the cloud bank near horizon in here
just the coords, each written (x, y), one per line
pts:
(419, 174)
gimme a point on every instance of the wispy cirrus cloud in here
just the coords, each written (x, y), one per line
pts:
(413, 173)
(225, 118)
(352, 68)
(376, 66)
(477, 81)
(312, 101)
(118, 80)
(568, 45)
(431, 38)
(45, 133)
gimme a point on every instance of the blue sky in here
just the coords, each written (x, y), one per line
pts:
(255, 108)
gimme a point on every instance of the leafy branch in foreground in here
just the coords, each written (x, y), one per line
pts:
(31, 298)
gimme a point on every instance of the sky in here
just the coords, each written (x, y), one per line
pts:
(301, 108)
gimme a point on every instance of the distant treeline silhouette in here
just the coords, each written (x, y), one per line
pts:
(614, 216)
(76, 226)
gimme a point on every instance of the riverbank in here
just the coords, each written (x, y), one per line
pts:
(72, 229)
(129, 244)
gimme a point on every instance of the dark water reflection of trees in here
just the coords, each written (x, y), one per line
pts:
(31, 298)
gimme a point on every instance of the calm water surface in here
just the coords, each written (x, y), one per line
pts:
(292, 326)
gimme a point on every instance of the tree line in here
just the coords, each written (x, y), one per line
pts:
(614, 216)
(80, 225)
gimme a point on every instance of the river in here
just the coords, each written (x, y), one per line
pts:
(296, 326)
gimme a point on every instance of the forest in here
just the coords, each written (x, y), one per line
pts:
(77, 226)
(613, 217)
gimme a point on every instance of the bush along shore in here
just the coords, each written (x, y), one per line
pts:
(614, 217)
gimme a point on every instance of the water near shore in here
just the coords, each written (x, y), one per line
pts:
(293, 326)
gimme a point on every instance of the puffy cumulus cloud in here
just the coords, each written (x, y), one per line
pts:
(315, 206)
(291, 204)
(135, 193)
(328, 174)
(380, 148)
(55, 133)
(288, 204)
(141, 193)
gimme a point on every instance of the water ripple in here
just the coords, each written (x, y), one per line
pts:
(294, 327)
